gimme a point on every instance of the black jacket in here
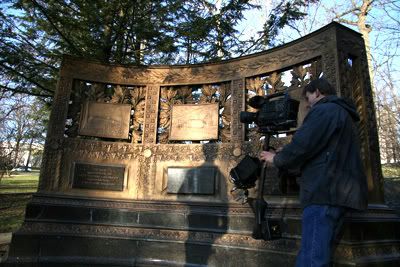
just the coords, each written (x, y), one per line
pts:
(326, 148)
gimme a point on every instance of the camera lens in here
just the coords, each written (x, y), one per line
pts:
(248, 117)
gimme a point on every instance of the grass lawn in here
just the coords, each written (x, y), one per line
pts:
(391, 170)
(20, 180)
(15, 192)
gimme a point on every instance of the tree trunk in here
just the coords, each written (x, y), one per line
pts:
(219, 41)
(365, 29)
(188, 51)
(29, 155)
(139, 53)
(17, 145)
(2, 174)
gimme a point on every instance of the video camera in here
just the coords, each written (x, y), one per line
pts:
(276, 113)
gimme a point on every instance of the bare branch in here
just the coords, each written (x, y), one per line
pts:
(347, 21)
(347, 12)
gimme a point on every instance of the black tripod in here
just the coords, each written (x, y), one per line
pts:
(264, 228)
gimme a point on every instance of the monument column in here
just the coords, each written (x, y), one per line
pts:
(151, 111)
(49, 175)
(238, 102)
(355, 83)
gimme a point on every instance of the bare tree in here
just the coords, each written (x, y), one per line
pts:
(379, 23)
(9, 104)
(355, 13)
(380, 19)
(21, 126)
(388, 114)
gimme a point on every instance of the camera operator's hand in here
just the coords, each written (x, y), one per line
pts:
(267, 156)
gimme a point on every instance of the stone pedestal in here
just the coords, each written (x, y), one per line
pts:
(60, 231)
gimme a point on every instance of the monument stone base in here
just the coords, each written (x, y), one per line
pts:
(62, 231)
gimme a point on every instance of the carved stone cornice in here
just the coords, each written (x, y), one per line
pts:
(159, 152)
(301, 50)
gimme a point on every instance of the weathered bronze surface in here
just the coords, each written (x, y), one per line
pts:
(105, 120)
(194, 122)
(96, 176)
(199, 180)
(170, 201)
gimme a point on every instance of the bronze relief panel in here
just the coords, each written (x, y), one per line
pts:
(194, 122)
(105, 120)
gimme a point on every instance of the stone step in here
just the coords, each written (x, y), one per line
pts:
(156, 233)
(365, 226)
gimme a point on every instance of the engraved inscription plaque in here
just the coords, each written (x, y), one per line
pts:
(194, 122)
(105, 120)
(199, 180)
(96, 176)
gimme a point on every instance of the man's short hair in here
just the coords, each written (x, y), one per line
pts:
(322, 85)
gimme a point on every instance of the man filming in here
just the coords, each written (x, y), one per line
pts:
(326, 148)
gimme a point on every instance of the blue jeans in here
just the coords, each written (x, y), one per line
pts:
(320, 226)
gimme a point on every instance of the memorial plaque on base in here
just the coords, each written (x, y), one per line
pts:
(96, 176)
(191, 180)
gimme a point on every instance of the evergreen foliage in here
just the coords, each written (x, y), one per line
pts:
(35, 33)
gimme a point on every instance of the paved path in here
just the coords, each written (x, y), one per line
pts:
(5, 238)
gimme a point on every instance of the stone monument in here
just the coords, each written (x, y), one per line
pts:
(137, 159)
